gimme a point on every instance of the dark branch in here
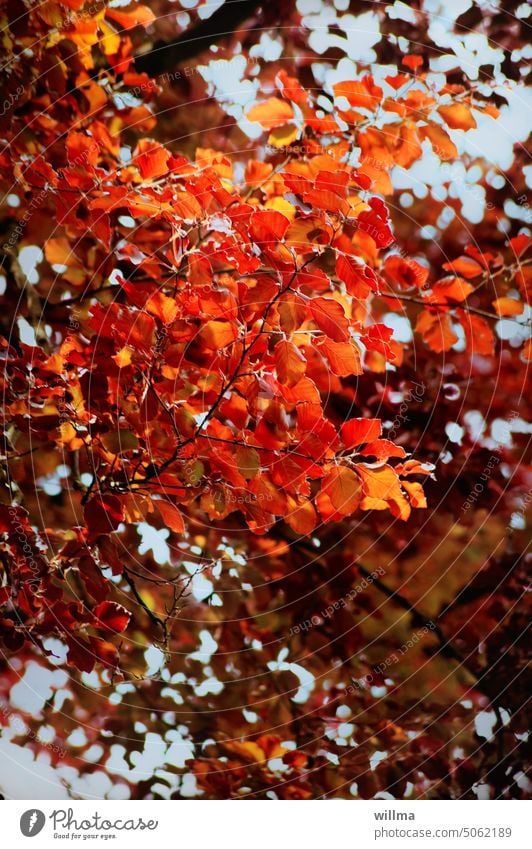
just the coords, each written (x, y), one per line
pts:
(164, 56)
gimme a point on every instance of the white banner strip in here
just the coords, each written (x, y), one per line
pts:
(356, 824)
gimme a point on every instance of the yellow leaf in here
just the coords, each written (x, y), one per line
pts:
(284, 135)
(123, 358)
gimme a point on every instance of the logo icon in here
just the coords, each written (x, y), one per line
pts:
(32, 822)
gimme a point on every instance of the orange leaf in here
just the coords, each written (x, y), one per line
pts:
(128, 19)
(436, 330)
(406, 272)
(171, 516)
(218, 334)
(290, 363)
(465, 266)
(382, 489)
(362, 92)
(343, 357)
(508, 306)
(152, 161)
(458, 116)
(343, 488)
(301, 517)
(257, 172)
(478, 333)
(272, 113)
(440, 141)
(162, 307)
(415, 493)
(358, 431)
(450, 289)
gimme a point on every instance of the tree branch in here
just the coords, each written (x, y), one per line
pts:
(164, 56)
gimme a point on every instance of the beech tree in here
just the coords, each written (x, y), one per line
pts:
(265, 358)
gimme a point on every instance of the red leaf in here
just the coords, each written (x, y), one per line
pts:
(152, 161)
(172, 517)
(406, 272)
(412, 61)
(80, 655)
(105, 652)
(382, 449)
(375, 223)
(358, 431)
(112, 615)
(268, 226)
(359, 279)
(103, 514)
(330, 317)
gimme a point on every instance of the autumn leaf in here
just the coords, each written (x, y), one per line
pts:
(358, 431)
(479, 335)
(218, 334)
(343, 357)
(458, 116)
(343, 488)
(171, 515)
(382, 490)
(464, 266)
(436, 329)
(270, 114)
(508, 306)
(112, 615)
(406, 272)
(290, 363)
(129, 18)
(103, 513)
(330, 317)
(450, 289)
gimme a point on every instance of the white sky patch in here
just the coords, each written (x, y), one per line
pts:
(402, 330)
(376, 758)
(180, 749)
(475, 424)
(26, 333)
(207, 648)
(209, 685)
(154, 658)
(455, 432)
(35, 687)
(360, 33)
(268, 48)
(201, 587)
(154, 540)
(400, 11)
(22, 771)
(226, 83)
(205, 10)
(306, 679)
(29, 257)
